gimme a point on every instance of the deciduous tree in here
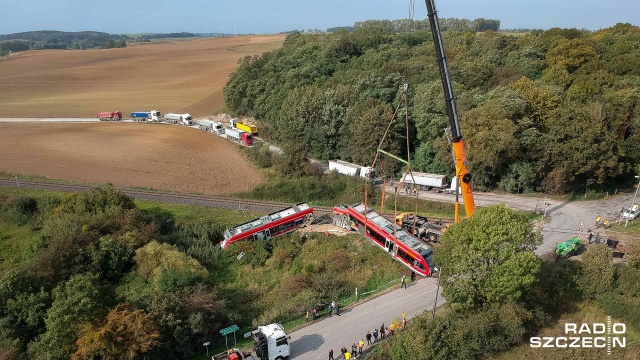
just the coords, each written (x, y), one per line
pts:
(488, 259)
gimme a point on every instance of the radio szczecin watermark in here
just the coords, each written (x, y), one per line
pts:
(595, 335)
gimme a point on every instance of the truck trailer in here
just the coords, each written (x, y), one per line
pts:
(153, 115)
(244, 127)
(182, 119)
(347, 168)
(109, 116)
(240, 136)
(205, 125)
(424, 181)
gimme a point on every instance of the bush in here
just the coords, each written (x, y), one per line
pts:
(23, 208)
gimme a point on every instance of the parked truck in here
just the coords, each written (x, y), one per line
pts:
(109, 116)
(182, 119)
(244, 127)
(217, 128)
(454, 186)
(240, 136)
(424, 181)
(421, 227)
(270, 342)
(347, 168)
(205, 125)
(153, 115)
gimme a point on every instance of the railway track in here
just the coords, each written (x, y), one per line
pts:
(165, 196)
(258, 206)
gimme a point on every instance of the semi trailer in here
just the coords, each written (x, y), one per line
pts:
(205, 125)
(244, 127)
(182, 119)
(240, 136)
(424, 181)
(347, 168)
(153, 115)
(109, 115)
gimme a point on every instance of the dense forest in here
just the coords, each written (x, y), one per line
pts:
(92, 276)
(553, 111)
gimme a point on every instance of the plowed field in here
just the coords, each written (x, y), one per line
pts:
(186, 76)
(163, 157)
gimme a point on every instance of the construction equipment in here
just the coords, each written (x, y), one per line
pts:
(421, 227)
(457, 141)
(569, 247)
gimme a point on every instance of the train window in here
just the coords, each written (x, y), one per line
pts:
(405, 256)
(377, 237)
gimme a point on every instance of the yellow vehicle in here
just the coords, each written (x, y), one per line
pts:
(247, 128)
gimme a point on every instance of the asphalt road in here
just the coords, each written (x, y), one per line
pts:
(565, 219)
(315, 340)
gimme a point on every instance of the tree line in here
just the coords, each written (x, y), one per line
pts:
(39, 40)
(553, 111)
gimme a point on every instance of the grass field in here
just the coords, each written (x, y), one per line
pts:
(182, 76)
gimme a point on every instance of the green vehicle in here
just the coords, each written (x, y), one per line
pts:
(569, 247)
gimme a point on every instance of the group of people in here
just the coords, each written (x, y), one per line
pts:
(313, 313)
(356, 348)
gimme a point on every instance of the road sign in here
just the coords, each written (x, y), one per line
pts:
(229, 330)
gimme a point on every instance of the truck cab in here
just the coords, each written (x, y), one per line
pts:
(218, 128)
(154, 115)
(270, 342)
(247, 138)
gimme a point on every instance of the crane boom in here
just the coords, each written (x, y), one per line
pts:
(457, 141)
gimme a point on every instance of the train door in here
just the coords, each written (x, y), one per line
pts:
(389, 246)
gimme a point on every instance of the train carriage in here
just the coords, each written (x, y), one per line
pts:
(268, 226)
(407, 249)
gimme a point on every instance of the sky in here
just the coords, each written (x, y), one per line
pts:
(273, 16)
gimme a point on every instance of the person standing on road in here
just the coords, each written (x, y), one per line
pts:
(330, 310)
(360, 346)
(368, 338)
(354, 350)
(375, 335)
(382, 331)
(308, 315)
(404, 282)
(331, 355)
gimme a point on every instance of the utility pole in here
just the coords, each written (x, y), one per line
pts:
(433, 314)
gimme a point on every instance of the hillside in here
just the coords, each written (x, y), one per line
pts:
(553, 111)
(167, 77)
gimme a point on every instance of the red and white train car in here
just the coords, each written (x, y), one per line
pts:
(406, 249)
(268, 226)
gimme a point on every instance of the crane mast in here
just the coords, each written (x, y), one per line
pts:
(457, 141)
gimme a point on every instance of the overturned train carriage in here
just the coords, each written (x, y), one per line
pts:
(405, 248)
(268, 226)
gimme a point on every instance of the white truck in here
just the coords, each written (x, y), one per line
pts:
(153, 115)
(454, 186)
(424, 181)
(182, 119)
(270, 342)
(347, 168)
(218, 128)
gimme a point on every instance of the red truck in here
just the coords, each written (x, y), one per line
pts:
(113, 115)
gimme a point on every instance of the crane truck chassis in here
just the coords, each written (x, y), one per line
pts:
(270, 342)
